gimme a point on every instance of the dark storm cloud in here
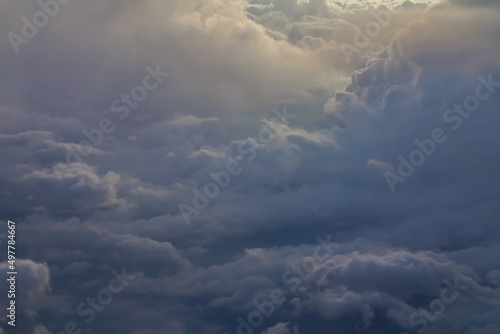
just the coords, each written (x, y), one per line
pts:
(230, 64)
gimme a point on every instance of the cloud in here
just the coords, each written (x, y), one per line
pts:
(231, 64)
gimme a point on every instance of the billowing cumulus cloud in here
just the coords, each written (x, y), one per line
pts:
(260, 166)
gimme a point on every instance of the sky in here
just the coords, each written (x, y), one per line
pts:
(250, 166)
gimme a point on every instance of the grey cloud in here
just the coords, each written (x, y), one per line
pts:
(231, 63)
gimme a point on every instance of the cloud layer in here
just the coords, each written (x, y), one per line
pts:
(358, 100)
